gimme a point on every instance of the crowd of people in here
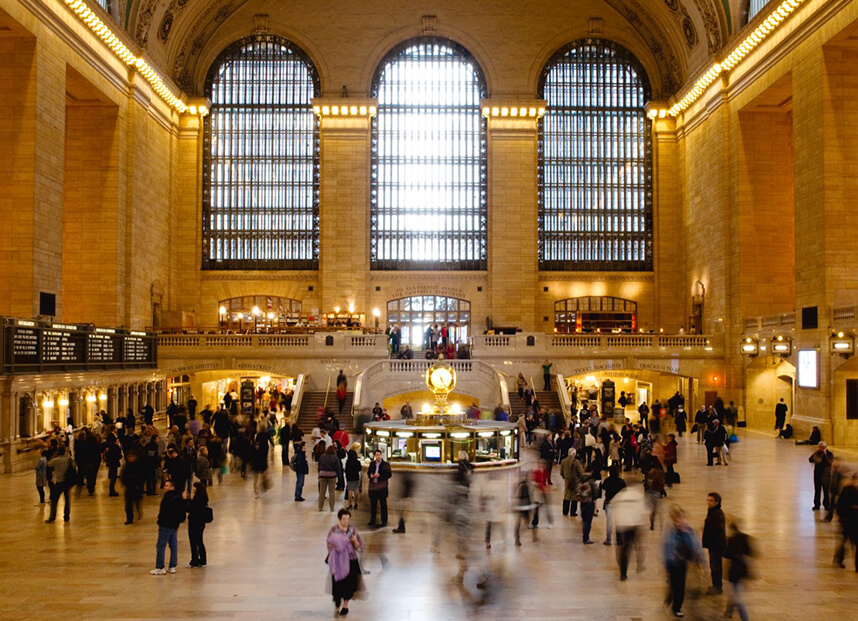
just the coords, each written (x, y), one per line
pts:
(625, 471)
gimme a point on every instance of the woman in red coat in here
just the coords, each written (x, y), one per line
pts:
(670, 458)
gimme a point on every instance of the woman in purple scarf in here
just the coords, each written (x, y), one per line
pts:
(343, 546)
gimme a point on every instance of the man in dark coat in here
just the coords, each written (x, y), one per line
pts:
(780, 414)
(715, 540)
(713, 438)
(821, 459)
(378, 474)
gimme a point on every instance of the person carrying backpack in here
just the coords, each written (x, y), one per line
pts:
(586, 493)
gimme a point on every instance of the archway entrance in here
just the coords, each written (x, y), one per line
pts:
(768, 380)
(415, 314)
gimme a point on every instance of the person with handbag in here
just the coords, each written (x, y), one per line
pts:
(344, 543)
(199, 514)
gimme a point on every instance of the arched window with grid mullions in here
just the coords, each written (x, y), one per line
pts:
(428, 176)
(595, 161)
(261, 159)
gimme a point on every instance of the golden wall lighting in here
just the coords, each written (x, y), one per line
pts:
(781, 346)
(750, 347)
(532, 112)
(355, 110)
(107, 36)
(842, 344)
(736, 55)
(63, 402)
(90, 398)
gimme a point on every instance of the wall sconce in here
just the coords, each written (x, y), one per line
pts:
(841, 344)
(781, 346)
(90, 398)
(750, 346)
(64, 403)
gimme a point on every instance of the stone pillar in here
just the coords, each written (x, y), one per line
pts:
(344, 203)
(32, 129)
(513, 212)
(671, 299)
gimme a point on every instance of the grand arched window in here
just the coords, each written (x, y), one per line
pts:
(595, 161)
(261, 159)
(428, 177)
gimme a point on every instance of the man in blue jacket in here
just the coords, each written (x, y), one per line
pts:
(170, 515)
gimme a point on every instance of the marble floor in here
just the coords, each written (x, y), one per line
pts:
(266, 556)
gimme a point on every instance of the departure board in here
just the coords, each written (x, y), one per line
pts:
(41, 347)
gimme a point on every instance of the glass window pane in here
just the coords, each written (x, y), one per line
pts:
(595, 164)
(428, 177)
(261, 187)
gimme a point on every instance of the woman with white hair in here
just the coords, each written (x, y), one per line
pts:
(353, 473)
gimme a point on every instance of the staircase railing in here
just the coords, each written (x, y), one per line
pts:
(298, 397)
(563, 397)
(327, 392)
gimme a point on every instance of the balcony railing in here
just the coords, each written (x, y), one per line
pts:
(318, 344)
(559, 344)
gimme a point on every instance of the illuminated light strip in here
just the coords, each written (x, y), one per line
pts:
(756, 37)
(513, 111)
(328, 110)
(103, 32)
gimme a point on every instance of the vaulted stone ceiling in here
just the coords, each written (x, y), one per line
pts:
(672, 38)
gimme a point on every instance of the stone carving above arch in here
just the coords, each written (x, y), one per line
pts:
(203, 28)
(657, 41)
(681, 17)
(709, 14)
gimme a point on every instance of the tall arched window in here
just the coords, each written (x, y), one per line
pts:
(428, 183)
(261, 159)
(595, 161)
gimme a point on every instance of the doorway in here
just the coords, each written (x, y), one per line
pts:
(415, 314)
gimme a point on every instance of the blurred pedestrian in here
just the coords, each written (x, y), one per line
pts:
(630, 512)
(523, 506)
(847, 511)
(739, 552)
(611, 486)
(680, 549)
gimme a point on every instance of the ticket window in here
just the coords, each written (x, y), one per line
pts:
(508, 446)
(401, 451)
(487, 447)
(431, 451)
(375, 443)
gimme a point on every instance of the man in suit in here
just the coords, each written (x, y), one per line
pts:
(379, 474)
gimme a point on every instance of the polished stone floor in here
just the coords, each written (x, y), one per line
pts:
(266, 556)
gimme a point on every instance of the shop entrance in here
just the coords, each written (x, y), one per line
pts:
(415, 314)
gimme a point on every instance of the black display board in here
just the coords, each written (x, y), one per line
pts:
(39, 347)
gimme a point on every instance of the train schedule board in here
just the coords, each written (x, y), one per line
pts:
(30, 346)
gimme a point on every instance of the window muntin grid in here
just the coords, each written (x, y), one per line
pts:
(595, 161)
(754, 7)
(261, 168)
(428, 178)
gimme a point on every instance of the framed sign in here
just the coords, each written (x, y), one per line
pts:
(808, 368)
